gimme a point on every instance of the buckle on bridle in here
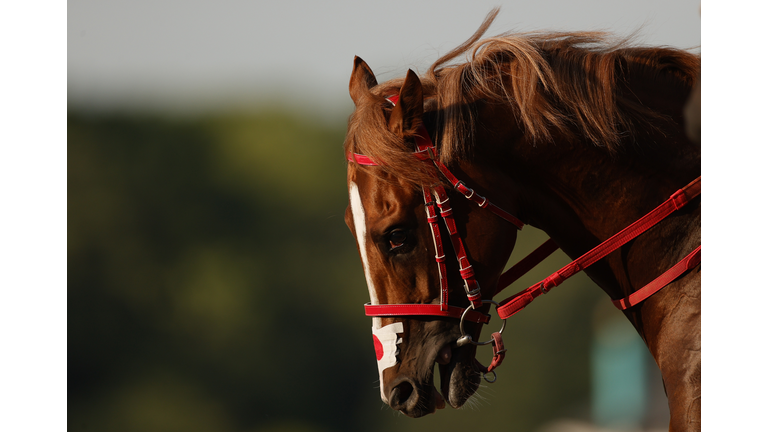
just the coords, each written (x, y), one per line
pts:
(430, 154)
(544, 289)
(470, 192)
(471, 292)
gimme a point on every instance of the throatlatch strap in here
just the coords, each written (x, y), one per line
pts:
(473, 196)
(526, 264)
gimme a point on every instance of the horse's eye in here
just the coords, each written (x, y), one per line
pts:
(397, 239)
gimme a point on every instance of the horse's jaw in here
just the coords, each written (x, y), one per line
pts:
(458, 379)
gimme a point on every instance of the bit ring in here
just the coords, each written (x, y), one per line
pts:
(465, 338)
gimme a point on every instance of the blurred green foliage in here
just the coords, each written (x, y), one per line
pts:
(213, 286)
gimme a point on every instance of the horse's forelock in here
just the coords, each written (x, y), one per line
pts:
(369, 134)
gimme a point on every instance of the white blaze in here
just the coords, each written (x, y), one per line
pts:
(387, 336)
(358, 215)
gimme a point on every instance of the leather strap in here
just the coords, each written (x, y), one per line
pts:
(466, 271)
(473, 196)
(361, 159)
(390, 310)
(677, 200)
(526, 264)
(498, 354)
(688, 263)
(437, 240)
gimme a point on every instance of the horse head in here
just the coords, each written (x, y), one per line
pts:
(387, 216)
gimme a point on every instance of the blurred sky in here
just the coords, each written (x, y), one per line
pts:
(202, 55)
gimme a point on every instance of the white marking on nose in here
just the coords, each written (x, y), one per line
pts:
(386, 343)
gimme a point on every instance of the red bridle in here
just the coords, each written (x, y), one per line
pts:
(437, 196)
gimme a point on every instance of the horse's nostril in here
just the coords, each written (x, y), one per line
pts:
(402, 396)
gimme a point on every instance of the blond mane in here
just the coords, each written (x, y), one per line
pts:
(557, 83)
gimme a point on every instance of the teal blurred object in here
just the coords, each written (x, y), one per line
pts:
(619, 374)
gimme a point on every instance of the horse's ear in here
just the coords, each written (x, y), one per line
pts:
(361, 81)
(406, 115)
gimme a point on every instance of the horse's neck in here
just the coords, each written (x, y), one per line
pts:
(585, 197)
(581, 195)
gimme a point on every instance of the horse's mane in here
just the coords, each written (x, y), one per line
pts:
(570, 83)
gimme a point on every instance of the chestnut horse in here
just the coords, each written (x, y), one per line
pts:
(571, 133)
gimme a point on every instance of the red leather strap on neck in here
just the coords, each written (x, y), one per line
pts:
(688, 263)
(517, 302)
(673, 203)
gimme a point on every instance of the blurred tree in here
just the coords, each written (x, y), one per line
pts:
(194, 275)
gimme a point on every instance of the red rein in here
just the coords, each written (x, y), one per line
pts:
(437, 197)
(678, 199)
